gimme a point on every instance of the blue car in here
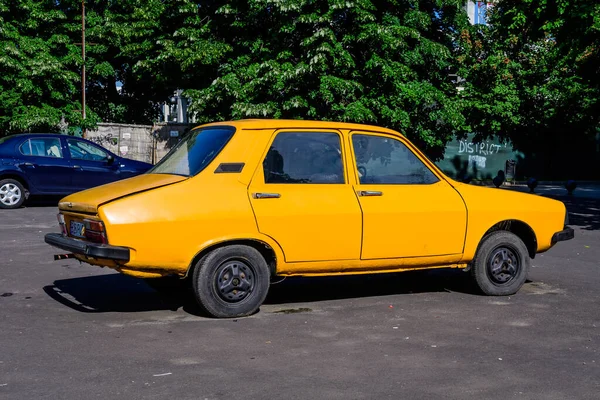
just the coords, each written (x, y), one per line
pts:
(52, 164)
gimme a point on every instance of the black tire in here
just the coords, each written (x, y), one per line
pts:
(12, 194)
(501, 264)
(231, 281)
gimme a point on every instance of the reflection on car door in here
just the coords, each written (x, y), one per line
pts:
(407, 210)
(302, 199)
(90, 165)
(45, 165)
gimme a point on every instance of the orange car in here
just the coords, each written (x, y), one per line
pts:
(236, 203)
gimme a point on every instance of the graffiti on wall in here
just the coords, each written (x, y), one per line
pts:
(478, 159)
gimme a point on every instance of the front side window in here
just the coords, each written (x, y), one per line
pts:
(84, 151)
(195, 151)
(304, 157)
(42, 147)
(384, 160)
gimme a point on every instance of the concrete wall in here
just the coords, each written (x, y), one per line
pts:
(148, 143)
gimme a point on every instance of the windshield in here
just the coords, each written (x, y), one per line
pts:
(195, 151)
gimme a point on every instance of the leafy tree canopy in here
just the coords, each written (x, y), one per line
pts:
(533, 72)
(367, 61)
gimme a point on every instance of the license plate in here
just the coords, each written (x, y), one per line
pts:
(77, 229)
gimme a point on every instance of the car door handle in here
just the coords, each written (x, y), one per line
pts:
(368, 193)
(266, 195)
(76, 166)
(28, 164)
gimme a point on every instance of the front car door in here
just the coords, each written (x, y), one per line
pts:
(90, 164)
(301, 197)
(44, 164)
(408, 211)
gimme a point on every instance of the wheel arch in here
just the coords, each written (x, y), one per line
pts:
(17, 177)
(520, 229)
(269, 252)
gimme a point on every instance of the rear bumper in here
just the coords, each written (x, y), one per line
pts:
(565, 234)
(88, 249)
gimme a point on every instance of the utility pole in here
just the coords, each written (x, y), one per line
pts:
(83, 65)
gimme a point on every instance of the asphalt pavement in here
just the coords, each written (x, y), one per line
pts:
(72, 331)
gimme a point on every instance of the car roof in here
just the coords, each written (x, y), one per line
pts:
(34, 134)
(18, 136)
(251, 124)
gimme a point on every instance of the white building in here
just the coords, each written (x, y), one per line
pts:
(476, 10)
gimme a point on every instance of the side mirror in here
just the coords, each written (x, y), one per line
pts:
(110, 160)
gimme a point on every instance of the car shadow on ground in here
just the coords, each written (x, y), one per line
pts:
(305, 290)
(110, 293)
(120, 293)
(584, 212)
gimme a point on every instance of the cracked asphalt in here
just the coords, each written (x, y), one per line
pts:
(71, 331)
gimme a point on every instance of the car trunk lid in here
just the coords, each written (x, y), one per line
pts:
(89, 200)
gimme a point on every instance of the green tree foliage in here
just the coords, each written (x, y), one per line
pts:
(38, 60)
(532, 77)
(139, 45)
(367, 61)
(145, 47)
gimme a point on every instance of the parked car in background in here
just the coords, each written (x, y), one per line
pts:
(236, 203)
(52, 164)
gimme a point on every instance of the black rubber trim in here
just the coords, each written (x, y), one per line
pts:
(230, 168)
(86, 248)
(565, 234)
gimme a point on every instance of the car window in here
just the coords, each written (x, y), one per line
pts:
(304, 157)
(42, 147)
(384, 160)
(84, 151)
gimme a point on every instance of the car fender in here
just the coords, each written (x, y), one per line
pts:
(241, 238)
(11, 171)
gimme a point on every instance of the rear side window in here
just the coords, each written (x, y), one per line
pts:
(80, 150)
(304, 157)
(42, 147)
(195, 151)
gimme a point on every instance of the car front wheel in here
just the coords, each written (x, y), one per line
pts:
(231, 281)
(501, 264)
(12, 194)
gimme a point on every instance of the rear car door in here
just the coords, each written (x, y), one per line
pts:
(91, 166)
(43, 162)
(408, 211)
(301, 197)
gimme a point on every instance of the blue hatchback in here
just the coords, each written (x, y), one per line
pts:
(52, 164)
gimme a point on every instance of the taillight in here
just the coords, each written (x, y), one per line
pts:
(61, 222)
(94, 231)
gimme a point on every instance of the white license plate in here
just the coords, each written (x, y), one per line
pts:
(77, 229)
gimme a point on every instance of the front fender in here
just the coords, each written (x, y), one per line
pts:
(486, 207)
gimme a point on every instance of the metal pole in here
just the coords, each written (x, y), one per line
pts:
(83, 66)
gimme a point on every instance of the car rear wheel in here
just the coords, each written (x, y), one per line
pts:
(12, 194)
(501, 264)
(231, 281)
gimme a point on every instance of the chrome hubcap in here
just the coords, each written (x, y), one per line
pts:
(10, 194)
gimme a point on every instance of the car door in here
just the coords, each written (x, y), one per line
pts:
(91, 164)
(408, 211)
(43, 161)
(301, 197)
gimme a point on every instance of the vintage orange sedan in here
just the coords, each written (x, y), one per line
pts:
(236, 203)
